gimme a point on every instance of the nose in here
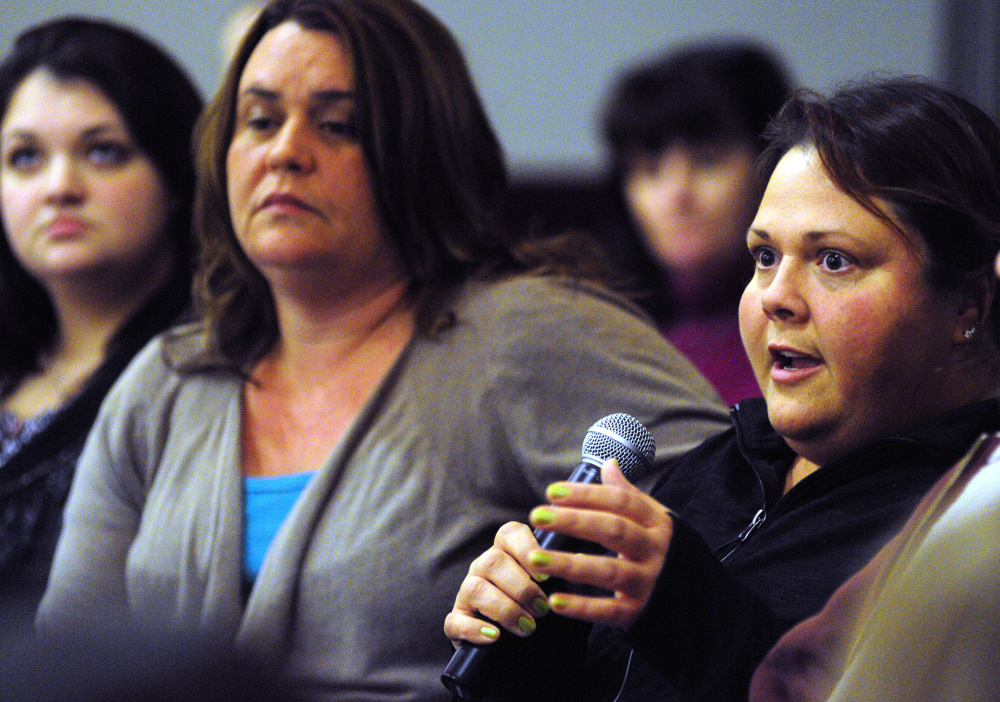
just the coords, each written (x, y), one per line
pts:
(674, 178)
(65, 184)
(290, 149)
(782, 296)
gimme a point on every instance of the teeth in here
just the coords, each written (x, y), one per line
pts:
(786, 359)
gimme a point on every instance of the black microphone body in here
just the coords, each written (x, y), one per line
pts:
(473, 667)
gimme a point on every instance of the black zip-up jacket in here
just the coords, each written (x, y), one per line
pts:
(747, 562)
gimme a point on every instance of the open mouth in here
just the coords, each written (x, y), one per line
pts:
(790, 360)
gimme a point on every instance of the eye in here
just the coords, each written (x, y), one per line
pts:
(260, 123)
(258, 118)
(708, 156)
(344, 129)
(835, 261)
(108, 153)
(764, 256)
(23, 158)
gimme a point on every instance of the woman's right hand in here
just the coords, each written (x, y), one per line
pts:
(502, 584)
(499, 588)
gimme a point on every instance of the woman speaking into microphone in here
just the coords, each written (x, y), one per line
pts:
(871, 328)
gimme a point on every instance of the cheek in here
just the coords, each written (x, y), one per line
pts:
(727, 199)
(640, 198)
(236, 179)
(873, 353)
(16, 207)
(752, 323)
(354, 184)
(137, 206)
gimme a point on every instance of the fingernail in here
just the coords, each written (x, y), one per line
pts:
(489, 632)
(556, 490)
(541, 577)
(539, 559)
(542, 516)
(540, 606)
(526, 625)
(557, 602)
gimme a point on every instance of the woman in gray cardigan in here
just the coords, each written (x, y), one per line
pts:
(378, 378)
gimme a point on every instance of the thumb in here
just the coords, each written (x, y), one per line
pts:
(611, 474)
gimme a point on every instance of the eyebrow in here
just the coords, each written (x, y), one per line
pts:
(88, 133)
(814, 235)
(332, 95)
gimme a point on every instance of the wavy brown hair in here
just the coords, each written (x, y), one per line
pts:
(436, 167)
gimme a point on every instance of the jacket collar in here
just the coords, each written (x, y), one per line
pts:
(947, 434)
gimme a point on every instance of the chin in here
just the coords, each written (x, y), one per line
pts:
(797, 423)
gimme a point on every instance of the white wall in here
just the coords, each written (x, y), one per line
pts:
(543, 65)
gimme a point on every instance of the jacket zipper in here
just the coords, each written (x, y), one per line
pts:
(733, 544)
(726, 550)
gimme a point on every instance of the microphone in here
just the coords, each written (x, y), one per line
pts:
(619, 436)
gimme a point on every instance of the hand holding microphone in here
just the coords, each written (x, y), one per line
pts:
(500, 588)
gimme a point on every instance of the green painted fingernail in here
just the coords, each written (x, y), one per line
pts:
(556, 490)
(558, 602)
(542, 516)
(526, 625)
(540, 605)
(489, 632)
(539, 559)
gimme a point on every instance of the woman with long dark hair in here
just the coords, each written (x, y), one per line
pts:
(96, 181)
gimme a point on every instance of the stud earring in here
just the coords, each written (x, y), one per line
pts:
(970, 332)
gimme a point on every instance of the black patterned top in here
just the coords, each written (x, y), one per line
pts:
(38, 458)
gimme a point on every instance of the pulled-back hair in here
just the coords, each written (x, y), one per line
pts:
(158, 104)
(437, 169)
(931, 157)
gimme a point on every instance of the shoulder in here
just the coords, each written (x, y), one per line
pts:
(531, 316)
(528, 294)
(151, 385)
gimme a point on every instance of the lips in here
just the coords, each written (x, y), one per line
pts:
(791, 360)
(65, 226)
(283, 202)
(789, 365)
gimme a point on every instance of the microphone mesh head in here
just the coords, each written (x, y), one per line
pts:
(622, 437)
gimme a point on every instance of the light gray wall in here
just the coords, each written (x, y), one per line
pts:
(543, 65)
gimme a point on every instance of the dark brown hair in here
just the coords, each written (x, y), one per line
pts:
(436, 167)
(712, 92)
(715, 90)
(158, 103)
(931, 156)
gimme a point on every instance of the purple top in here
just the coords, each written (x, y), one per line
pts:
(713, 344)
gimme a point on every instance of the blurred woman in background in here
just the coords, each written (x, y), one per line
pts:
(684, 131)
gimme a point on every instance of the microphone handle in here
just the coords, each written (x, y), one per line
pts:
(472, 666)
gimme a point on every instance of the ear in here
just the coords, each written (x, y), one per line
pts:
(974, 308)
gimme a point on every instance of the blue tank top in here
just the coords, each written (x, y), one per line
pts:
(267, 501)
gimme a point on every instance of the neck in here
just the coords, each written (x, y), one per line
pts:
(86, 323)
(89, 309)
(801, 467)
(317, 337)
